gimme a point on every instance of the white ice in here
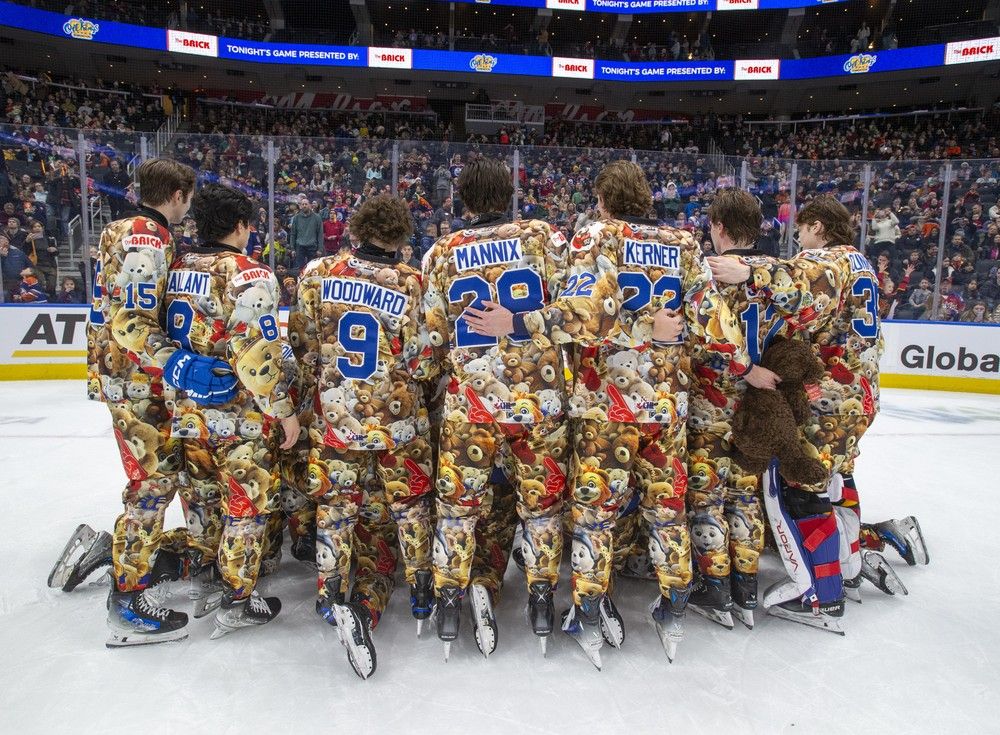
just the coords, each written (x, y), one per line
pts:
(923, 663)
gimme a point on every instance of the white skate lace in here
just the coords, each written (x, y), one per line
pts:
(148, 607)
(157, 594)
(258, 605)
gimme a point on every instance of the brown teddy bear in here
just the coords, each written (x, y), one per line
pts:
(767, 422)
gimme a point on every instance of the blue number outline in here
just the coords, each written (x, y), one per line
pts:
(751, 319)
(268, 327)
(865, 287)
(180, 333)
(369, 351)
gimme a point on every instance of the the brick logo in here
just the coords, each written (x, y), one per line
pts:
(575, 68)
(390, 58)
(738, 4)
(566, 4)
(757, 69)
(965, 52)
(182, 42)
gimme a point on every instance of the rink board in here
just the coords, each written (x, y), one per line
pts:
(50, 343)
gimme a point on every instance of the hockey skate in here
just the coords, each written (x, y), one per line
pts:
(448, 611)
(906, 538)
(483, 620)
(583, 623)
(541, 614)
(612, 625)
(354, 626)
(744, 593)
(711, 598)
(136, 620)
(518, 556)
(97, 555)
(852, 589)
(332, 597)
(422, 597)
(783, 600)
(249, 611)
(206, 590)
(79, 546)
(876, 570)
(668, 615)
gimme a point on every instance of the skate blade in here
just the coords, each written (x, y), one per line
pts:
(361, 656)
(205, 605)
(83, 537)
(916, 538)
(612, 630)
(128, 639)
(877, 571)
(420, 627)
(725, 619)
(543, 642)
(853, 594)
(591, 649)
(483, 620)
(823, 622)
(744, 616)
(447, 651)
(669, 640)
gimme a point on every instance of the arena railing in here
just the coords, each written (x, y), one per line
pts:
(931, 201)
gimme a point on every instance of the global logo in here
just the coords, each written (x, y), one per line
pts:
(860, 63)
(85, 30)
(483, 62)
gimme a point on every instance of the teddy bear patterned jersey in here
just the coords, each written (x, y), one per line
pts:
(125, 335)
(220, 303)
(833, 295)
(357, 331)
(510, 380)
(618, 275)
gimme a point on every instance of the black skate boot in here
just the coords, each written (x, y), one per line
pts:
(354, 628)
(206, 589)
(583, 623)
(422, 597)
(448, 609)
(906, 538)
(612, 625)
(712, 599)
(744, 592)
(97, 555)
(541, 613)
(783, 600)
(243, 613)
(518, 556)
(876, 570)
(304, 548)
(484, 622)
(668, 615)
(332, 597)
(135, 620)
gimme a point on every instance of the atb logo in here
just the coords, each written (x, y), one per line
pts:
(860, 63)
(84, 30)
(483, 62)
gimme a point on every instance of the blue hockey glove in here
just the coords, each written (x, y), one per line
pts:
(206, 380)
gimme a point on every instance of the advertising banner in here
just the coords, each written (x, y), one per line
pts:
(287, 53)
(941, 356)
(43, 342)
(653, 6)
(659, 71)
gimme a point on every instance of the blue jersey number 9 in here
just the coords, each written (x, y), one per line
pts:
(359, 332)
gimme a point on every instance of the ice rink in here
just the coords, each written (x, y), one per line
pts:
(923, 663)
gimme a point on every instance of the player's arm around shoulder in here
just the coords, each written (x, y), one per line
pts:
(421, 360)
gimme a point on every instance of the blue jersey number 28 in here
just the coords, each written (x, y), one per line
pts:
(517, 290)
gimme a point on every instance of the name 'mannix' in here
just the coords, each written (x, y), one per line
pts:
(362, 293)
(490, 252)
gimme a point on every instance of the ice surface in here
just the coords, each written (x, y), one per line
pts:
(923, 663)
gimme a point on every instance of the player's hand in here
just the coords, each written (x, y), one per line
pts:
(492, 321)
(761, 377)
(728, 270)
(290, 428)
(668, 325)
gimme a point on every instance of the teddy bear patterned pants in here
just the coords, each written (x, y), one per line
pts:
(336, 480)
(467, 453)
(605, 456)
(153, 464)
(727, 520)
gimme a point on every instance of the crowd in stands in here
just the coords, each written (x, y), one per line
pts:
(329, 162)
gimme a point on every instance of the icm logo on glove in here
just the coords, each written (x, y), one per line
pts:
(757, 69)
(85, 30)
(390, 58)
(965, 52)
(182, 42)
(576, 68)
(738, 4)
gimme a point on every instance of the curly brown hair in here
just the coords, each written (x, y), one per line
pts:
(486, 185)
(624, 190)
(383, 218)
(739, 212)
(836, 220)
